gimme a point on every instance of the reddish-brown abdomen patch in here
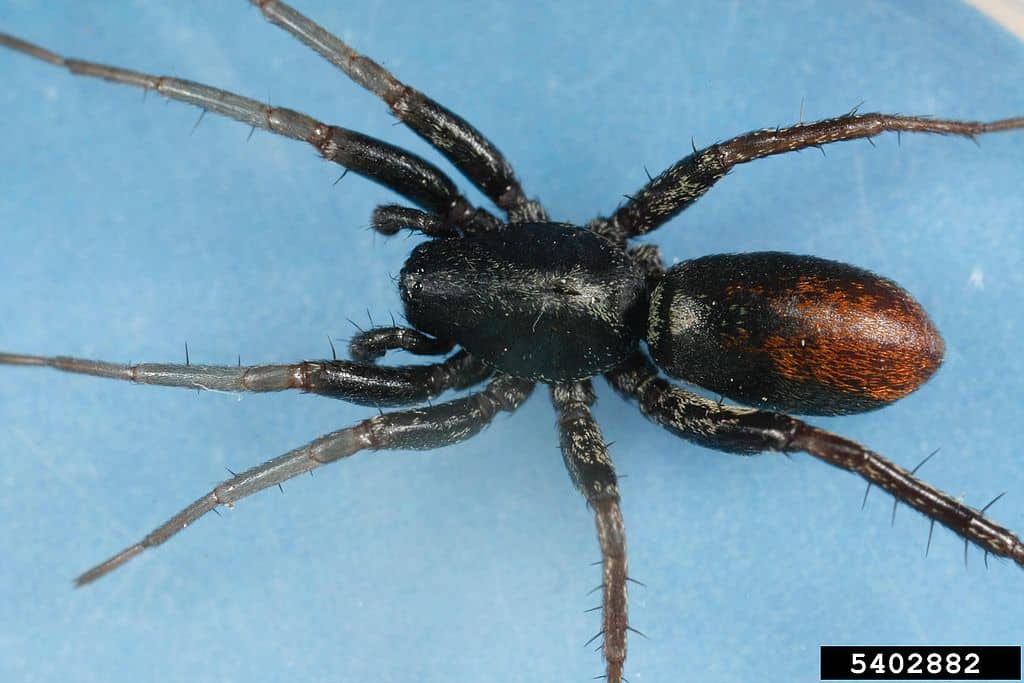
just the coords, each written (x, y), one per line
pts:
(796, 333)
(858, 337)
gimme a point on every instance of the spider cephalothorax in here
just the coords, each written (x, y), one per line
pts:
(544, 301)
(527, 300)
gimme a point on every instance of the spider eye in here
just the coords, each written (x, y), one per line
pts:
(795, 333)
(410, 284)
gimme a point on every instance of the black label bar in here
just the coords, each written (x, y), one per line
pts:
(920, 663)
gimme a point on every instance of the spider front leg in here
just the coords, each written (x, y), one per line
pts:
(466, 147)
(687, 180)
(363, 383)
(407, 174)
(591, 470)
(747, 430)
(417, 429)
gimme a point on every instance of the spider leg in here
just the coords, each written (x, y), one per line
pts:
(363, 383)
(591, 470)
(416, 429)
(472, 153)
(747, 430)
(686, 181)
(403, 172)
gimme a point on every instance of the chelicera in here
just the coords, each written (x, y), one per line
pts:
(527, 300)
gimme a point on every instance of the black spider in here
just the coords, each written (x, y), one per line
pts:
(528, 300)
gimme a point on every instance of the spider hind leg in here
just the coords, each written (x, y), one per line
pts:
(747, 430)
(686, 181)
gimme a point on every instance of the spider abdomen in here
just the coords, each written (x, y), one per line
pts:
(542, 301)
(795, 333)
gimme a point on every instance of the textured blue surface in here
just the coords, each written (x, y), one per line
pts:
(126, 234)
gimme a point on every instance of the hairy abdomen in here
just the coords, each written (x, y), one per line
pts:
(795, 333)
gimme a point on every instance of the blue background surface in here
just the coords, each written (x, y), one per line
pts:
(126, 234)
